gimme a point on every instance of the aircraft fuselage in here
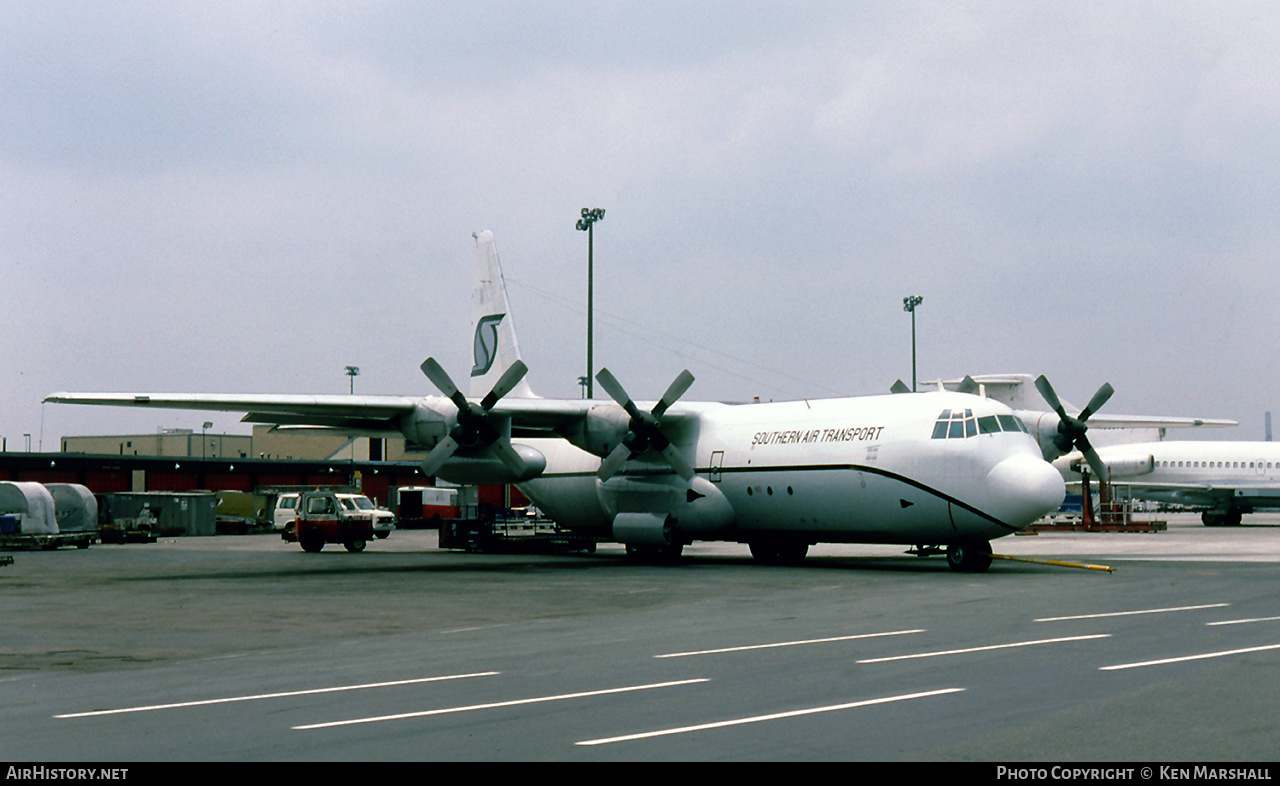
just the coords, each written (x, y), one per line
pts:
(866, 470)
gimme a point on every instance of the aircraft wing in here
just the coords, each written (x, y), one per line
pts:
(363, 414)
(480, 433)
(529, 417)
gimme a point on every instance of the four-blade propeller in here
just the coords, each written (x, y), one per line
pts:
(645, 428)
(476, 427)
(1071, 430)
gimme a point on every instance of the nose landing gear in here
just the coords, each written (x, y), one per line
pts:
(969, 555)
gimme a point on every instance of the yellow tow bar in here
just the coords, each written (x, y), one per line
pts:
(1058, 563)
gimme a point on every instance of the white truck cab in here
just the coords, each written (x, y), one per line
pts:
(286, 509)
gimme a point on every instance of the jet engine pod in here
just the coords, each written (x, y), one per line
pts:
(1123, 467)
(489, 468)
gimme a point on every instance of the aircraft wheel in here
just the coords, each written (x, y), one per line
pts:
(355, 544)
(969, 555)
(1230, 518)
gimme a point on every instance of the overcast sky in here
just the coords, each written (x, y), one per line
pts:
(249, 197)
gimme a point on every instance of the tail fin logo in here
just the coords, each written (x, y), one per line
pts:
(486, 344)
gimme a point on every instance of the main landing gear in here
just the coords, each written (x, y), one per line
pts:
(778, 551)
(655, 555)
(1221, 518)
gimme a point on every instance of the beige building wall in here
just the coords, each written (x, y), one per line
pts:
(265, 442)
(181, 443)
(320, 445)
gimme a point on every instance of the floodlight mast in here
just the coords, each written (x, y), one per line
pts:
(909, 304)
(586, 224)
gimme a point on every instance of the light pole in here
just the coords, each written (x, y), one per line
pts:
(204, 438)
(353, 372)
(585, 224)
(909, 304)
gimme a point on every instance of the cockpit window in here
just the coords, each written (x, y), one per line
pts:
(955, 424)
(959, 424)
(1011, 423)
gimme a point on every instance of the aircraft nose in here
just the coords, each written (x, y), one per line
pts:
(1026, 488)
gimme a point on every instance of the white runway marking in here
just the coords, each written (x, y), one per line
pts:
(1130, 613)
(770, 717)
(801, 642)
(1242, 622)
(987, 648)
(498, 704)
(282, 695)
(1184, 658)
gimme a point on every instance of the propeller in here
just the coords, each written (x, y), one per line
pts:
(475, 427)
(1071, 430)
(645, 428)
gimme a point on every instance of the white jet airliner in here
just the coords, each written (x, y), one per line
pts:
(933, 470)
(1223, 480)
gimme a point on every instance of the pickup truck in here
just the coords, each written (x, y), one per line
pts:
(383, 520)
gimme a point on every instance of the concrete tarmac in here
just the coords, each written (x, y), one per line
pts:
(247, 649)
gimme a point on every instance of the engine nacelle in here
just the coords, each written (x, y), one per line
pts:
(600, 431)
(429, 422)
(1044, 427)
(484, 469)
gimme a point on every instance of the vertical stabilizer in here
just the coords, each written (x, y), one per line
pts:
(492, 328)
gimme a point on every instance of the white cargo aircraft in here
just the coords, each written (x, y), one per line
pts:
(933, 470)
(1223, 480)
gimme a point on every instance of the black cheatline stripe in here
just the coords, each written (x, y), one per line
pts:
(820, 468)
